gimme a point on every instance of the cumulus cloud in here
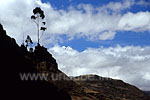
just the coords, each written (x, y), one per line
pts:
(143, 2)
(128, 63)
(15, 16)
(136, 22)
(82, 21)
(131, 64)
(118, 6)
(107, 35)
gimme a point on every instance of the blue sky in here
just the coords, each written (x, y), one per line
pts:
(110, 38)
(63, 4)
(122, 38)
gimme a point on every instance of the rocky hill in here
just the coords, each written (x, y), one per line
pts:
(51, 83)
(14, 61)
(103, 88)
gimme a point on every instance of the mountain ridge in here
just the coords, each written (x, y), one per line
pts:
(16, 60)
(109, 88)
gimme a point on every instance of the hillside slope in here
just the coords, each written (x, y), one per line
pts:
(109, 89)
(16, 60)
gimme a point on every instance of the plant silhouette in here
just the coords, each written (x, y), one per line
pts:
(28, 41)
(38, 18)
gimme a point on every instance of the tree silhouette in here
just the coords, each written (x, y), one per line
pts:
(28, 41)
(38, 17)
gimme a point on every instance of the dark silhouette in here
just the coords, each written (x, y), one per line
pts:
(15, 60)
(28, 41)
(37, 18)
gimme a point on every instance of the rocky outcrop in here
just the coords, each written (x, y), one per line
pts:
(15, 61)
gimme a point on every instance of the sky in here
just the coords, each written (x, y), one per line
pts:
(110, 38)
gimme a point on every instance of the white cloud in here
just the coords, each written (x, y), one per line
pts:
(136, 22)
(107, 35)
(15, 16)
(131, 64)
(118, 6)
(128, 63)
(85, 21)
(143, 3)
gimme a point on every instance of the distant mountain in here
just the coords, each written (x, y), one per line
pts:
(52, 83)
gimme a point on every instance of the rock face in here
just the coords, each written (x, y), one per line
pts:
(15, 61)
